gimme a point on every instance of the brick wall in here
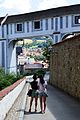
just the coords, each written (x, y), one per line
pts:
(65, 66)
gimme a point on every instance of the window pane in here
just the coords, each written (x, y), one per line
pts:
(11, 28)
(77, 19)
(37, 25)
(52, 23)
(46, 24)
(27, 26)
(61, 22)
(66, 21)
(56, 39)
(56, 24)
(19, 27)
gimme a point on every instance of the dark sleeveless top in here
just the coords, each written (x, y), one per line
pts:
(34, 85)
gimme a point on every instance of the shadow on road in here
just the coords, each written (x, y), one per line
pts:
(28, 113)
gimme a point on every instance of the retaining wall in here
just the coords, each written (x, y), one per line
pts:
(65, 66)
(9, 98)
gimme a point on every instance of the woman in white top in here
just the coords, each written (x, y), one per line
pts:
(42, 93)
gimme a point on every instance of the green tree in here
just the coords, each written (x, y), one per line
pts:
(46, 49)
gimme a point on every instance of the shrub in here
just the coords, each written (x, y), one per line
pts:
(4, 83)
(6, 79)
(40, 72)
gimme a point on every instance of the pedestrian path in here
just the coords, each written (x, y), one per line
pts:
(17, 108)
(37, 115)
(60, 106)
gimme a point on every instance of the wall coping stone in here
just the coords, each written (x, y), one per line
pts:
(8, 89)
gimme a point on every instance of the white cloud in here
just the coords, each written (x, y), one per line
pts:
(25, 6)
(46, 4)
(19, 5)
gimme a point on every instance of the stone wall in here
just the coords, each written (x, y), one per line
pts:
(65, 66)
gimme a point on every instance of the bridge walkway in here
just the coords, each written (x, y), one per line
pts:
(60, 106)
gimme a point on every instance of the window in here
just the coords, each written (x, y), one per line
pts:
(77, 19)
(66, 21)
(56, 24)
(27, 26)
(37, 25)
(3, 55)
(7, 29)
(19, 27)
(56, 39)
(46, 24)
(2, 31)
(61, 22)
(11, 28)
(52, 23)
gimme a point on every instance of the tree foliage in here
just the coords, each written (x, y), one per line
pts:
(46, 50)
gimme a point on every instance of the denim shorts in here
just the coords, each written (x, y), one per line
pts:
(43, 94)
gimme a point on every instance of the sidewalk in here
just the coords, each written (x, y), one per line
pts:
(37, 115)
(18, 106)
(17, 110)
(60, 106)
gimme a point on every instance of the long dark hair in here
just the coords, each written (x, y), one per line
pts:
(41, 79)
(34, 76)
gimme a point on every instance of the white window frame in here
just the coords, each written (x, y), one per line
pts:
(34, 25)
(74, 20)
(21, 28)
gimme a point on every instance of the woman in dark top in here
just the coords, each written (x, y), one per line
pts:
(34, 86)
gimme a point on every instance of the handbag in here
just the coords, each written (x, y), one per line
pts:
(29, 93)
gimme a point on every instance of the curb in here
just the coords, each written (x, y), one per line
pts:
(21, 115)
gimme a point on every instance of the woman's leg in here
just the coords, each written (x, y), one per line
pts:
(31, 104)
(36, 98)
(41, 103)
(44, 103)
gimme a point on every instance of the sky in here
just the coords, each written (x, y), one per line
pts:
(13, 7)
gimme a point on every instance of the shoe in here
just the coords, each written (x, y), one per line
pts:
(35, 110)
(42, 112)
(29, 110)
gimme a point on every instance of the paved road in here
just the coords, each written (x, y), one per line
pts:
(60, 106)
